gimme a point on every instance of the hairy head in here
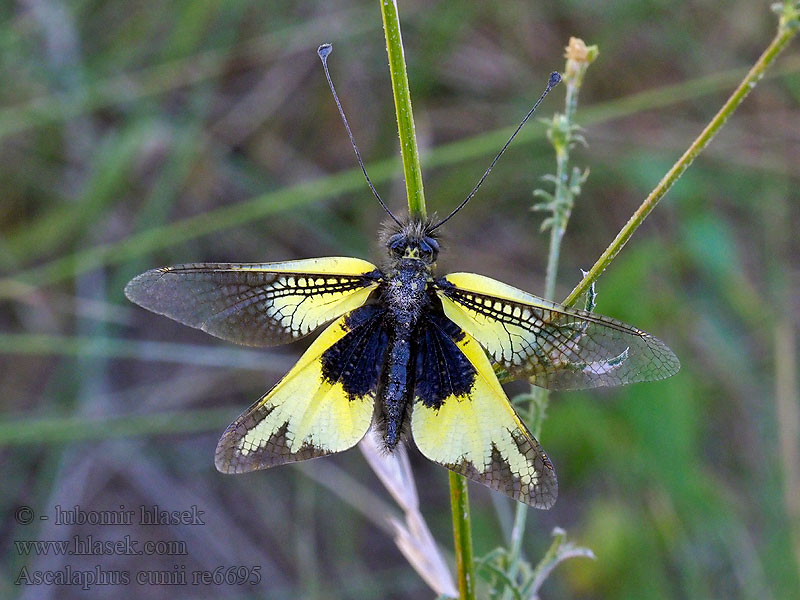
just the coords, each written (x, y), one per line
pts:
(412, 239)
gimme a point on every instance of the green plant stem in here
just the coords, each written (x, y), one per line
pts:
(562, 181)
(782, 38)
(402, 105)
(459, 498)
(538, 404)
(462, 534)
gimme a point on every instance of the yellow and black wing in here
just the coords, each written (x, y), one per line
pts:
(552, 346)
(256, 304)
(323, 405)
(463, 420)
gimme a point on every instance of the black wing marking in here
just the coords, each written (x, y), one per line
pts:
(463, 420)
(442, 370)
(325, 404)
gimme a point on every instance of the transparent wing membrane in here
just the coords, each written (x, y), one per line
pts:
(256, 304)
(552, 346)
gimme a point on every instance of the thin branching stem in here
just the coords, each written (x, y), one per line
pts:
(789, 23)
(561, 192)
(787, 29)
(562, 135)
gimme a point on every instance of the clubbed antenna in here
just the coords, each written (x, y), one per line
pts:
(555, 79)
(324, 50)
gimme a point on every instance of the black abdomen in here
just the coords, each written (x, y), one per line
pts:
(397, 384)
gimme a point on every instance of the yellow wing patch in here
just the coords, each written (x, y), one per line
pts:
(480, 436)
(304, 416)
(553, 346)
(256, 304)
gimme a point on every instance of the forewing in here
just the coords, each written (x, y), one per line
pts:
(463, 420)
(323, 405)
(256, 304)
(553, 346)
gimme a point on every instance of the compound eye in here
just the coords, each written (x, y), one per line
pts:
(428, 247)
(397, 244)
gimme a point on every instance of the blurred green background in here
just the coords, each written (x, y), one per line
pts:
(139, 134)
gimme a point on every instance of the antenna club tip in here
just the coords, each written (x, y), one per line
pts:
(324, 50)
(555, 78)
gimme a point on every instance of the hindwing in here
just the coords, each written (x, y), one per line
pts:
(553, 346)
(256, 304)
(463, 420)
(323, 405)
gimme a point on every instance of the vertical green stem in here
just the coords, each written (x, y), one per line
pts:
(402, 105)
(459, 499)
(562, 181)
(538, 405)
(462, 534)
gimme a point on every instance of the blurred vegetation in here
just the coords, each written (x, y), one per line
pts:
(139, 134)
